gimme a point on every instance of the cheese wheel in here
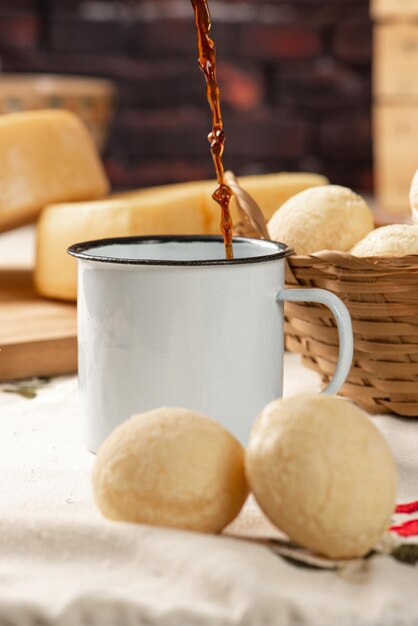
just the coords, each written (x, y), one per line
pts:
(179, 209)
(62, 225)
(45, 156)
(270, 191)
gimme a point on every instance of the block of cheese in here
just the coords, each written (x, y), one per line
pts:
(45, 156)
(183, 208)
(176, 194)
(61, 225)
(270, 191)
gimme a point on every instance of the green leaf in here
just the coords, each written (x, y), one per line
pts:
(305, 565)
(25, 392)
(27, 389)
(406, 553)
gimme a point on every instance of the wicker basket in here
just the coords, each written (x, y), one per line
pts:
(382, 297)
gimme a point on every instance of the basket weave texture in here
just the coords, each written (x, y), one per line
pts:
(382, 297)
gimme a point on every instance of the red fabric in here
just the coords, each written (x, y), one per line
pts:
(409, 507)
(407, 529)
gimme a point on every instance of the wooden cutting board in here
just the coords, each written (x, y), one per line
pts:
(38, 337)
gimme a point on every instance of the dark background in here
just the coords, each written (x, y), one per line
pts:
(295, 81)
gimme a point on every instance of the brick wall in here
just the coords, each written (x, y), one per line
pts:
(295, 81)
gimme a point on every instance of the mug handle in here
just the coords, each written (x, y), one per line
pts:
(345, 329)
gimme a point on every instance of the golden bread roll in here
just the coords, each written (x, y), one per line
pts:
(323, 473)
(392, 240)
(321, 218)
(171, 467)
(45, 156)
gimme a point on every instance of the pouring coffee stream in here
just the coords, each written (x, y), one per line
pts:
(251, 217)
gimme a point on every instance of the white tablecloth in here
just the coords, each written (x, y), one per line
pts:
(62, 563)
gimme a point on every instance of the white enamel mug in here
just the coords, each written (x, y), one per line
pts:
(168, 321)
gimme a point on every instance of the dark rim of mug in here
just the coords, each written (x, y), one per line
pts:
(80, 250)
